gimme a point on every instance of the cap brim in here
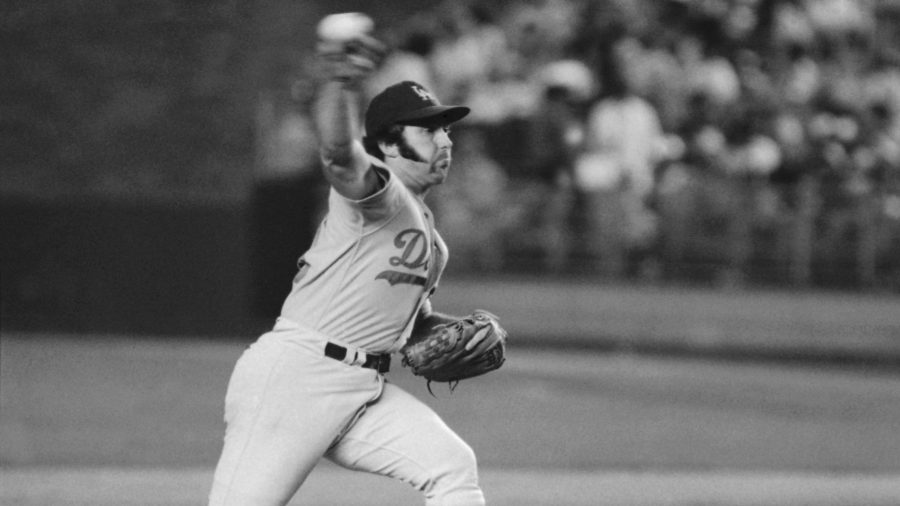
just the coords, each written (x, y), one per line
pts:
(434, 115)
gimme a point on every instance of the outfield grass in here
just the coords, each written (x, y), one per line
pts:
(119, 416)
(834, 326)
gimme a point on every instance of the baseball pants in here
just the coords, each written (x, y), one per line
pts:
(287, 406)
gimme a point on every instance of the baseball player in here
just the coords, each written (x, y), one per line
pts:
(313, 386)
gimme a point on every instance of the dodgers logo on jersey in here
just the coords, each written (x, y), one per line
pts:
(413, 246)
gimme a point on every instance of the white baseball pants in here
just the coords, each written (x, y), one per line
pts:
(288, 405)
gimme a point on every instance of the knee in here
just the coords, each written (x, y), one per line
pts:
(460, 462)
(454, 481)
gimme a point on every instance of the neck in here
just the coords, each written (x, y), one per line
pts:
(414, 175)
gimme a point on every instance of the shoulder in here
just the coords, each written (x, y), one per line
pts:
(390, 196)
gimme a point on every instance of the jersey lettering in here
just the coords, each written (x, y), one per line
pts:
(415, 249)
(395, 277)
(413, 246)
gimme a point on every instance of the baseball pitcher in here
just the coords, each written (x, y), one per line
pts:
(314, 385)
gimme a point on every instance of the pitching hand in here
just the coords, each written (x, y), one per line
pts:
(352, 60)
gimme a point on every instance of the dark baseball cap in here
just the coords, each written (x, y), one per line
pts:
(409, 103)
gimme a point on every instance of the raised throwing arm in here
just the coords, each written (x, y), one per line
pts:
(344, 66)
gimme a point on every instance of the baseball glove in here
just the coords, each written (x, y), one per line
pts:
(455, 351)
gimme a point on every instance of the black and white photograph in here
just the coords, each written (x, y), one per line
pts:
(450, 253)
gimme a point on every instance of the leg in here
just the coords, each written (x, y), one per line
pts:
(284, 408)
(401, 437)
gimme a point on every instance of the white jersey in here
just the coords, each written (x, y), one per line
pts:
(371, 266)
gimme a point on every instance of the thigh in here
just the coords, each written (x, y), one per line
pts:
(284, 408)
(399, 436)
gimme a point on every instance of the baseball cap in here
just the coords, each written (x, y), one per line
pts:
(409, 103)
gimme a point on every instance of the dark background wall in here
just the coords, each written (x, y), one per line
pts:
(125, 267)
(130, 188)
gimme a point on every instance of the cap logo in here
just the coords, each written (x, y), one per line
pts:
(423, 93)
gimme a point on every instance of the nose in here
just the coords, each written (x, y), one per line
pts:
(442, 139)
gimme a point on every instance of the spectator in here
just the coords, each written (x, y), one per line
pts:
(475, 210)
(708, 72)
(541, 181)
(539, 31)
(469, 50)
(624, 142)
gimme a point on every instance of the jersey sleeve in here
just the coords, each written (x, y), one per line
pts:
(372, 211)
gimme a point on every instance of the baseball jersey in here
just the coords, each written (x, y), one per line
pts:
(372, 264)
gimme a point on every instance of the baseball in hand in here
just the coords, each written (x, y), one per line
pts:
(344, 27)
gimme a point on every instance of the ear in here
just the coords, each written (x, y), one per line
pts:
(390, 150)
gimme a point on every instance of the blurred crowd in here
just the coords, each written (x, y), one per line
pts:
(636, 137)
(643, 139)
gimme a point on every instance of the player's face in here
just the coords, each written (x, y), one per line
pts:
(430, 148)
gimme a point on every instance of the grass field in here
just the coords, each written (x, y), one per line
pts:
(112, 420)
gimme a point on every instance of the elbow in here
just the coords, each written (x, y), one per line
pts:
(340, 155)
(341, 165)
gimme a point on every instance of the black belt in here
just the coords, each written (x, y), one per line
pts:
(381, 363)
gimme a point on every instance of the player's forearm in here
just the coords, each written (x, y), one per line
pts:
(344, 160)
(337, 122)
(428, 319)
(345, 62)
